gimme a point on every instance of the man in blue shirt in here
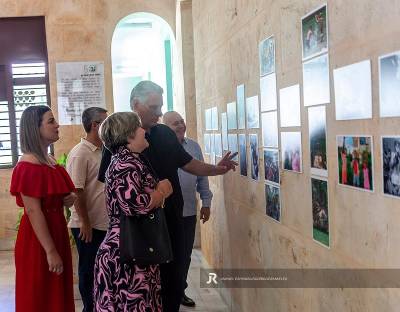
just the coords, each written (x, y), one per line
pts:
(189, 185)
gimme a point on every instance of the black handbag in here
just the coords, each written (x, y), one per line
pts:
(144, 239)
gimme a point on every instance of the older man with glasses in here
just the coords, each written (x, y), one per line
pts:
(166, 155)
(189, 185)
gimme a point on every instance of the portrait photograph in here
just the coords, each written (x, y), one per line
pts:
(254, 156)
(353, 95)
(355, 162)
(252, 112)
(233, 144)
(242, 155)
(314, 33)
(319, 190)
(291, 151)
(267, 56)
(231, 114)
(289, 104)
(273, 202)
(207, 143)
(218, 144)
(212, 148)
(391, 165)
(214, 118)
(316, 81)
(317, 135)
(241, 109)
(268, 95)
(269, 125)
(224, 129)
(208, 119)
(271, 165)
(389, 85)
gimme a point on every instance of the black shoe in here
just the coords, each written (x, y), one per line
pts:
(187, 302)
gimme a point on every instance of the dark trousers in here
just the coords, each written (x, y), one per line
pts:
(87, 255)
(189, 229)
(172, 272)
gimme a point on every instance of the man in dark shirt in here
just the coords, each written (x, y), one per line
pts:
(166, 155)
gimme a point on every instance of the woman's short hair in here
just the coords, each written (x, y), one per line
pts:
(29, 134)
(117, 128)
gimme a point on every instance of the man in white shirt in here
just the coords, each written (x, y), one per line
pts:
(89, 220)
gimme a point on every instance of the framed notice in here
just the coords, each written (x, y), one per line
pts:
(79, 85)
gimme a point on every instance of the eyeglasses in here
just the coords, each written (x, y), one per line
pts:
(154, 108)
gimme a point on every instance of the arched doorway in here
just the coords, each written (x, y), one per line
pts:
(142, 48)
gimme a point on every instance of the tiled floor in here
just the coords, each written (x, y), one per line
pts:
(207, 299)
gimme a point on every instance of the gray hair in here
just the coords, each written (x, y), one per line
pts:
(91, 114)
(142, 91)
(117, 128)
(29, 134)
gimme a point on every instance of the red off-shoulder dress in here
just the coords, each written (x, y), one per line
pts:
(37, 289)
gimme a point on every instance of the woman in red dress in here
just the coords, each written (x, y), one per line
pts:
(42, 250)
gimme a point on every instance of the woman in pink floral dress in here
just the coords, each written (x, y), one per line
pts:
(131, 188)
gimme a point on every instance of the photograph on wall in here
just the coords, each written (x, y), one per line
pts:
(242, 155)
(268, 95)
(271, 165)
(207, 144)
(291, 151)
(355, 161)
(231, 114)
(273, 202)
(233, 144)
(267, 56)
(224, 129)
(214, 118)
(254, 156)
(289, 104)
(391, 165)
(217, 143)
(314, 30)
(317, 136)
(316, 81)
(270, 129)
(319, 190)
(212, 149)
(208, 119)
(353, 97)
(389, 85)
(241, 110)
(252, 112)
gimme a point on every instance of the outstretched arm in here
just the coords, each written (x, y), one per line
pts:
(200, 168)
